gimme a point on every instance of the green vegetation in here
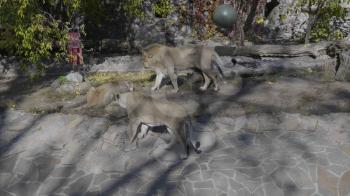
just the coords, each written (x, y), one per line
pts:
(136, 77)
(163, 8)
(35, 31)
(62, 79)
(134, 8)
(321, 13)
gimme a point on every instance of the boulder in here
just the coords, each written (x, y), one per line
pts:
(74, 77)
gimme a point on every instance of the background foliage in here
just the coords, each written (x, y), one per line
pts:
(321, 13)
(36, 31)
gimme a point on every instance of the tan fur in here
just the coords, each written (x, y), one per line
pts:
(168, 60)
(102, 95)
(143, 109)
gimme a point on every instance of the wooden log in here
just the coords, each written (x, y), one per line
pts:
(313, 50)
(252, 67)
(343, 72)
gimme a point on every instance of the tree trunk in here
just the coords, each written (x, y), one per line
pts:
(313, 50)
(310, 24)
(254, 67)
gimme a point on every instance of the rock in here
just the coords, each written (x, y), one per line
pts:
(343, 73)
(74, 77)
(7, 68)
(73, 88)
(119, 64)
(284, 26)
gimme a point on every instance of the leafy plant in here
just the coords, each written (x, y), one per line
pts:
(62, 79)
(34, 31)
(321, 12)
(134, 8)
(163, 8)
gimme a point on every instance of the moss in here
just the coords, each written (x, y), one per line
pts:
(136, 77)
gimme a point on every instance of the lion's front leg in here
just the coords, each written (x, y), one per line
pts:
(158, 81)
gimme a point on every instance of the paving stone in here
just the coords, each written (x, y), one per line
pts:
(230, 124)
(220, 181)
(99, 178)
(23, 166)
(346, 149)
(134, 184)
(327, 182)
(344, 184)
(190, 168)
(253, 172)
(338, 157)
(232, 193)
(77, 175)
(45, 165)
(195, 176)
(7, 163)
(52, 185)
(234, 185)
(173, 192)
(250, 183)
(23, 188)
(228, 151)
(92, 193)
(204, 192)
(79, 186)
(243, 192)
(168, 156)
(222, 163)
(269, 166)
(284, 181)
(204, 184)
(337, 169)
(301, 178)
(204, 167)
(5, 193)
(272, 190)
(4, 179)
(209, 173)
(188, 188)
(62, 171)
(247, 160)
(259, 192)
(261, 122)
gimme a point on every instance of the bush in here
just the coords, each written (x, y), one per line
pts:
(35, 31)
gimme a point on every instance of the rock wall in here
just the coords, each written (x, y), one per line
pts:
(284, 23)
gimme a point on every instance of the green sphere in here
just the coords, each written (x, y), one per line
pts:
(224, 16)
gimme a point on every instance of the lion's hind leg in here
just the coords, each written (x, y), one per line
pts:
(207, 80)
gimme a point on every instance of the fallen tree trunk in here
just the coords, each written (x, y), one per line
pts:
(313, 50)
(254, 67)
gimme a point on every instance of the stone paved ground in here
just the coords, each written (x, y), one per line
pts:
(288, 146)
